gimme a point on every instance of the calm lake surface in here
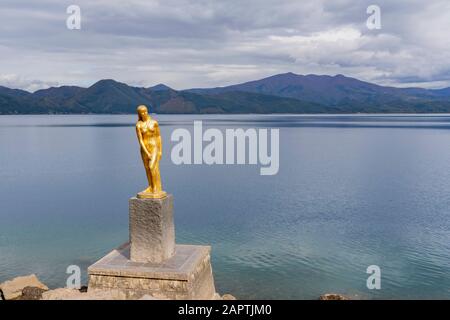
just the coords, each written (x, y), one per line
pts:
(351, 191)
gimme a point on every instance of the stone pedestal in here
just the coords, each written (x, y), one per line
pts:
(151, 264)
(152, 232)
(186, 275)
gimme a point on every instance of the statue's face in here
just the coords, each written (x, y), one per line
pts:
(143, 113)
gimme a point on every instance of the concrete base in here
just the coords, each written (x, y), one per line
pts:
(152, 232)
(186, 275)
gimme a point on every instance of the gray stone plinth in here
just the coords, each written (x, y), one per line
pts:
(186, 275)
(152, 233)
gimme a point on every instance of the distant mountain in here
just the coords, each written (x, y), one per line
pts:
(328, 90)
(159, 87)
(106, 96)
(4, 91)
(443, 92)
(63, 92)
(282, 93)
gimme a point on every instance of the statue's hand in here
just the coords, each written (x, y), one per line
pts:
(152, 163)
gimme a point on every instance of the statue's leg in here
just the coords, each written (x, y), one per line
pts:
(149, 178)
(156, 180)
(158, 185)
(148, 172)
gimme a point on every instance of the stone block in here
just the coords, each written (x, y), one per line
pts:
(152, 232)
(186, 275)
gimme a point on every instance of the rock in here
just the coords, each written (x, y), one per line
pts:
(333, 296)
(83, 289)
(31, 293)
(61, 294)
(75, 294)
(12, 289)
(147, 297)
(98, 295)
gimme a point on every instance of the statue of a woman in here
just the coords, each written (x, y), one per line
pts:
(147, 131)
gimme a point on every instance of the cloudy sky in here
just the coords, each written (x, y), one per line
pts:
(196, 43)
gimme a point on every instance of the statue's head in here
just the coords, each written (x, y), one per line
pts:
(142, 112)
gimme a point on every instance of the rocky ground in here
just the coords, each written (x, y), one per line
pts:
(333, 296)
(30, 288)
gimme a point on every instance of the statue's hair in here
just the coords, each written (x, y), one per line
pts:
(141, 108)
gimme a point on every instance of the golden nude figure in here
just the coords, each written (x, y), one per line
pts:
(149, 137)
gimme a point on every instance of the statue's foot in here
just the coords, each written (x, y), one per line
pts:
(150, 194)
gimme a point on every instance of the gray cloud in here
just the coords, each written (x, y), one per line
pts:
(187, 43)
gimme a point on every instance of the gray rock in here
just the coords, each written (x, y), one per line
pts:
(333, 296)
(31, 293)
(83, 289)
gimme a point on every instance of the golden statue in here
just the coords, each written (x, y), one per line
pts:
(149, 137)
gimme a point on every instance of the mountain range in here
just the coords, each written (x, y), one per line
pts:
(282, 93)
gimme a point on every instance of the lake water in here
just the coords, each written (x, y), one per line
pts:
(351, 191)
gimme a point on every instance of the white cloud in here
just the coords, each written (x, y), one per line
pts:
(16, 81)
(199, 43)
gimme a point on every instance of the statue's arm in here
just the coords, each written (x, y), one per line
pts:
(158, 134)
(141, 140)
